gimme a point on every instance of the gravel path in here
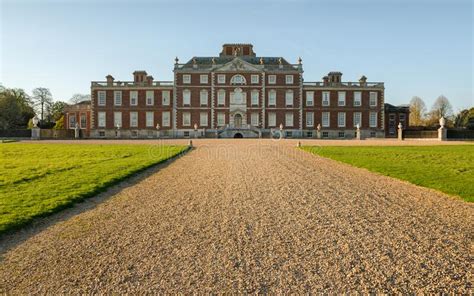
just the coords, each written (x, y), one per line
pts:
(249, 216)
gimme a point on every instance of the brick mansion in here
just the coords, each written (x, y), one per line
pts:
(236, 95)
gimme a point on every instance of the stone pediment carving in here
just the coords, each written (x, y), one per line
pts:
(237, 65)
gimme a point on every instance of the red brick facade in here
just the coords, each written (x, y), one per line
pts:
(238, 92)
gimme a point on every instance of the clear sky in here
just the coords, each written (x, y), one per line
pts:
(422, 48)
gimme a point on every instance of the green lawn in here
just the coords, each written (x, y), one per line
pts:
(40, 179)
(449, 169)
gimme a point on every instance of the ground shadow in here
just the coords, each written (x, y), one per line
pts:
(12, 239)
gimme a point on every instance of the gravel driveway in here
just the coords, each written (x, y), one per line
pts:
(250, 216)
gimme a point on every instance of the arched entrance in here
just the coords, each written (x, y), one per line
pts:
(238, 120)
(238, 136)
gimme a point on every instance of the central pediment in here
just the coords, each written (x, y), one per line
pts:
(237, 65)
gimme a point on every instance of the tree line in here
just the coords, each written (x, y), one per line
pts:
(17, 108)
(420, 116)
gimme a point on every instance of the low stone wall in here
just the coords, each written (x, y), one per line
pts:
(56, 134)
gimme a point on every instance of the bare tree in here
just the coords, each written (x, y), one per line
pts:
(417, 111)
(442, 108)
(77, 98)
(42, 100)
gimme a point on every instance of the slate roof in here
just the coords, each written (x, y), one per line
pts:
(268, 62)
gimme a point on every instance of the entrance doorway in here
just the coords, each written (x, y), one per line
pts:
(238, 120)
(238, 136)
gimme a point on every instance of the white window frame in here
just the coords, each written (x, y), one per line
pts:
(73, 123)
(203, 79)
(85, 120)
(289, 79)
(289, 97)
(150, 98)
(203, 97)
(150, 119)
(166, 98)
(357, 99)
(117, 98)
(133, 97)
(355, 121)
(271, 79)
(309, 119)
(220, 119)
(101, 98)
(117, 116)
(221, 79)
(373, 119)
(289, 119)
(326, 119)
(166, 119)
(272, 98)
(326, 99)
(271, 119)
(341, 119)
(186, 79)
(101, 119)
(203, 119)
(254, 79)
(254, 118)
(133, 123)
(373, 99)
(341, 98)
(186, 119)
(186, 97)
(254, 94)
(310, 98)
(221, 97)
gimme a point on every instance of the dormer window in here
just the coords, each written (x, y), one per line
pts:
(238, 79)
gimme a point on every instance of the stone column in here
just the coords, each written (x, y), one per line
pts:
(318, 131)
(77, 131)
(35, 133)
(400, 132)
(35, 130)
(442, 131)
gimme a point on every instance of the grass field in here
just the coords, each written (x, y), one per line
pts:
(40, 179)
(449, 169)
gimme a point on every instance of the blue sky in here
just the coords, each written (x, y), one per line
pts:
(421, 48)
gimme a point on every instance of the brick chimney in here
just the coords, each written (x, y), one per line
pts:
(139, 76)
(110, 80)
(335, 77)
(149, 79)
(325, 81)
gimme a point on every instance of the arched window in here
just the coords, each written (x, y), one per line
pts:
(238, 79)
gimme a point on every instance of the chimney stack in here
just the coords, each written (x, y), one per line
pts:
(110, 80)
(149, 79)
(325, 81)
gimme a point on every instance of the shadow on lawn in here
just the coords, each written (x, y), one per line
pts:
(13, 238)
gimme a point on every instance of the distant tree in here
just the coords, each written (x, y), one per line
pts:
(57, 110)
(59, 123)
(42, 100)
(441, 108)
(77, 98)
(465, 119)
(417, 111)
(15, 108)
(30, 124)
